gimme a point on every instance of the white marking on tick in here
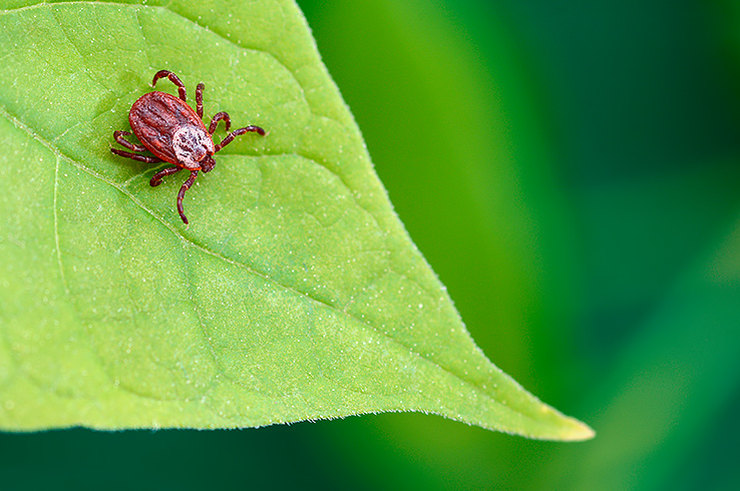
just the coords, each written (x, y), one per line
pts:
(191, 144)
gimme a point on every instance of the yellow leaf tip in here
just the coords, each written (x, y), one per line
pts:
(578, 431)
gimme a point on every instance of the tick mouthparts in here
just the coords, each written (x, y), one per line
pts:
(207, 164)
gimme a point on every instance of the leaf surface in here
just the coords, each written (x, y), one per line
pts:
(295, 293)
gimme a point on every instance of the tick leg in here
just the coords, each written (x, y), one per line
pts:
(199, 99)
(230, 137)
(174, 79)
(136, 156)
(181, 194)
(156, 179)
(119, 136)
(218, 117)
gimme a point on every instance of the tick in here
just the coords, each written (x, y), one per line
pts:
(174, 133)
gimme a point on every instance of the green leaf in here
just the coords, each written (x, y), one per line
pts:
(295, 294)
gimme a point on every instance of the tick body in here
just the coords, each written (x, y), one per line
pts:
(175, 133)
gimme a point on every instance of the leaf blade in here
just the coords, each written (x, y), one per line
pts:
(295, 295)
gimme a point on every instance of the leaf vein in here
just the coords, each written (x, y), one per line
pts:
(56, 226)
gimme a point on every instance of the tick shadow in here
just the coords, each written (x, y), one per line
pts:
(124, 89)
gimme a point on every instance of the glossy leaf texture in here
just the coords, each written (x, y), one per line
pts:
(295, 294)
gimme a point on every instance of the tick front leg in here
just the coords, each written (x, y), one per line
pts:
(156, 179)
(218, 117)
(230, 137)
(181, 194)
(119, 136)
(199, 99)
(136, 156)
(174, 79)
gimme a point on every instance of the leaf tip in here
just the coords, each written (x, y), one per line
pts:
(577, 431)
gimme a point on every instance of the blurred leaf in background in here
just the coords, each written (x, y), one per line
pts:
(604, 159)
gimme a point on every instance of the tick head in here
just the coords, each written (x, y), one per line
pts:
(207, 164)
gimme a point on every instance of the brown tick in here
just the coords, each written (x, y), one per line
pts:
(174, 133)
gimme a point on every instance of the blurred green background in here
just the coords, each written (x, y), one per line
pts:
(571, 172)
